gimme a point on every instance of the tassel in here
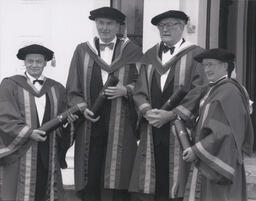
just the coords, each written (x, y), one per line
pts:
(53, 62)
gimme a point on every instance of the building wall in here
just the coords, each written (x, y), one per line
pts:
(62, 24)
(57, 24)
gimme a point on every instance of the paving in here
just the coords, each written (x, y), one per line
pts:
(250, 168)
(68, 178)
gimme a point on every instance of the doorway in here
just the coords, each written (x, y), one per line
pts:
(251, 59)
(237, 31)
(133, 9)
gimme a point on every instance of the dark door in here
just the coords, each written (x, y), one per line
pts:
(251, 59)
(227, 24)
(133, 9)
(227, 40)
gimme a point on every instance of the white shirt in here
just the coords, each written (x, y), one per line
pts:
(165, 58)
(40, 101)
(106, 55)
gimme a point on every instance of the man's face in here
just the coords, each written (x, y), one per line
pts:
(170, 30)
(35, 64)
(214, 69)
(107, 29)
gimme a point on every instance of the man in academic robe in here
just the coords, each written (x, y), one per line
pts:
(29, 158)
(105, 146)
(159, 172)
(223, 134)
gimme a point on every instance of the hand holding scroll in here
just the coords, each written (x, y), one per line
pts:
(88, 114)
(101, 99)
(188, 155)
(115, 92)
(38, 135)
(158, 118)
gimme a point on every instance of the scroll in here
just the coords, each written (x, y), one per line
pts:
(182, 134)
(174, 100)
(62, 118)
(101, 99)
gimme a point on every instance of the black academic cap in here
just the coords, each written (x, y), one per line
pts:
(170, 14)
(216, 53)
(107, 12)
(35, 49)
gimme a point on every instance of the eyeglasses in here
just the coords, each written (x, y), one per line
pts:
(210, 64)
(168, 25)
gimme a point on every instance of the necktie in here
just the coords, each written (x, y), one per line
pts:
(41, 82)
(104, 45)
(165, 49)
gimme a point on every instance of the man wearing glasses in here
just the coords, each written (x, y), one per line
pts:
(159, 172)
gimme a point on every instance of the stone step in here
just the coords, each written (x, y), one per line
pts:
(251, 190)
(70, 193)
(250, 169)
(68, 177)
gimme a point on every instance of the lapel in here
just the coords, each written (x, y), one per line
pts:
(158, 79)
(22, 81)
(152, 57)
(118, 60)
(169, 79)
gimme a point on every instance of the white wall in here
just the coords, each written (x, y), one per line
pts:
(62, 24)
(152, 8)
(58, 24)
(191, 8)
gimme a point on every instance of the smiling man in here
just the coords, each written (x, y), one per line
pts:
(223, 135)
(159, 172)
(30, 159)
(105, 146)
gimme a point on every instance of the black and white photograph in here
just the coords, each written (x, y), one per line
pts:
(127, 100)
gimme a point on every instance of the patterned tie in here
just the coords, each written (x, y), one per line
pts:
(165, 48)
(104, 45)
(41, 82)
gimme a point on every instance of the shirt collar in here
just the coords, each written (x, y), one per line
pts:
(113, 41)
(177, 45)
(31, 78)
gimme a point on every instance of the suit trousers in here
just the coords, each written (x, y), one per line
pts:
(94, 190)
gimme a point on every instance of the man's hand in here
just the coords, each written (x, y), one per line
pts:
(38, 135)
(88, 115)
(188, 155)
(72, 118)
(115, 92)
(158, 118)
(150, 115)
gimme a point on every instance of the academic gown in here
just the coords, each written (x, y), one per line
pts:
(223, 134)
(116, 128)
(22, 158)
(148, 176)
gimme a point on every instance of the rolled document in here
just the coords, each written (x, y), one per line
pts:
(180, 128)
(101, 99)
(174, 99)
(182, 134)
(62, 118)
